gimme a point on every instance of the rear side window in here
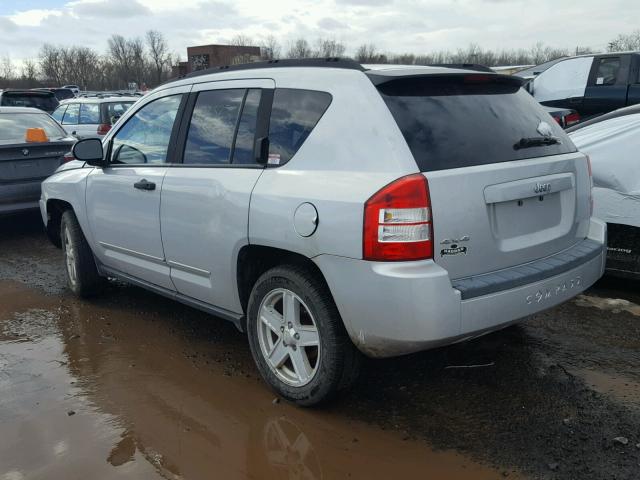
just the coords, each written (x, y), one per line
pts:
(462, 121)
(89, 113)
(113, 111)
(294, 115)
(607, 72)
(212, 127)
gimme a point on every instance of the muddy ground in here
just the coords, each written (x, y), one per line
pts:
(131, 385)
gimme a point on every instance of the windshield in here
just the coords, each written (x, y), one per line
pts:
(48, 103)
(13, 126)
(466, 120)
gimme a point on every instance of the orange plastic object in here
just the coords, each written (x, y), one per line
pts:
(36, 135)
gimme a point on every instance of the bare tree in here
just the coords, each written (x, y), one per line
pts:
(50, 64)
(159, 53)
(121, 57)
(368, 53)
(29, 70)
(241, 40)
(299, 49)
(7, 69)
(270, 48)
(625, 42)
(328, 48)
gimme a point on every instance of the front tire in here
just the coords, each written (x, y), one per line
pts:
(297, 337)
(80, 266)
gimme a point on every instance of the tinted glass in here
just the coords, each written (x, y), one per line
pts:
(146, 135)
(245, 138)
(293, 116)
(71, 115)
(213, 126)
(89, 113)
(48, 103)
(13, 126)
(607, 73)
(456, 122)
(59, 113)
(63, 93)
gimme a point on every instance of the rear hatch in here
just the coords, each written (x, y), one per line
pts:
(507, 186)
(41, 100)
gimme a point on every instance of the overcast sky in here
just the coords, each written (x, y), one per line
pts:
(415, 26)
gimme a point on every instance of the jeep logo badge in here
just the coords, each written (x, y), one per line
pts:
(25, 151)
(542, 188)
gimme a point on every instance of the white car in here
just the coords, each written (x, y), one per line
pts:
(91, 117)
(74, 88)
(612, 142)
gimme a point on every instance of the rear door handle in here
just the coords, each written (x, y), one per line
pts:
(144, 184)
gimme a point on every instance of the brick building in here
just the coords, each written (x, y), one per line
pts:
(207, 56)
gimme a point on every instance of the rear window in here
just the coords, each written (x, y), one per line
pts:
(13, 126)
(114, 110)
(462, 121)
(294, 115)
(48, 103)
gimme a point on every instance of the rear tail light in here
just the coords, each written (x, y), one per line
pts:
(397, 222)
(104, 128)
(68, 157)
(571, 119)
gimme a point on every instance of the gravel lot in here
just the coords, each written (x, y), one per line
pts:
(132, 385)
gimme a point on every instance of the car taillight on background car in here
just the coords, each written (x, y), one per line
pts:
(397, 222)
(104, 128)
(68, 157)
(571, 119)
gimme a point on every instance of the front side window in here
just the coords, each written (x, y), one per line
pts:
(294, 115)
(71, 115)
(607, 72)
(89, 113)
(115, 110)
(145, 137)
(213, 126)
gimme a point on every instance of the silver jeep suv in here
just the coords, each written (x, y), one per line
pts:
(328, 209)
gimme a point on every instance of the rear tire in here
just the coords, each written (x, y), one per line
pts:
(297, 337)
(80, 266)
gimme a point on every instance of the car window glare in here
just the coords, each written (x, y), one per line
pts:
(89, 113)
(13, 126)
(294, 115)
(212, 127)
(146, 135)
(71, 115)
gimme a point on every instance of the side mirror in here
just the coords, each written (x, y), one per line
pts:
(89, 150)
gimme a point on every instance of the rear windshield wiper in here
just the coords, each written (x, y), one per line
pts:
(528, 142)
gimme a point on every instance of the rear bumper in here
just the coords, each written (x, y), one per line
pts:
(16, 197)
(393, 309)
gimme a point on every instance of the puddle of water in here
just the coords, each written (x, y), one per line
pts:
(102, 392)
(620, 387)
(615, 305)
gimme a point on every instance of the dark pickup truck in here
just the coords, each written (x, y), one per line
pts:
(590, 84)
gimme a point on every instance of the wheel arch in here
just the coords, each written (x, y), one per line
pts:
(55, 209)
(254, 260)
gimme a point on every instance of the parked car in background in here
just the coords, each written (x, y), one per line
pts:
(302, 224)
(60, 93)
(74, 88)
(566, 117)
(32, 146)
(590, 84)
(41, 99)
(612, 141)
(87, 117)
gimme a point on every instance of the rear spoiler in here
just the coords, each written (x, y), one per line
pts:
(380, 78)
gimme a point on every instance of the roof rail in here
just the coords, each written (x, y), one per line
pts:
(463, 66)
(330, 62)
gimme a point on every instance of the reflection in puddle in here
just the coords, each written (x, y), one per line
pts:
(615, 305)
(101, 391)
